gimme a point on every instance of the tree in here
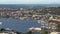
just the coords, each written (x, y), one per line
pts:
(46, 32)
(29, 32)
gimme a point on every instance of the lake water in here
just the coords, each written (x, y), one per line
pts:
(18, 25)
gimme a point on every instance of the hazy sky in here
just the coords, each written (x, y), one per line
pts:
(29, 1)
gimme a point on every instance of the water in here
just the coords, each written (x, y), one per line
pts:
(18, 25)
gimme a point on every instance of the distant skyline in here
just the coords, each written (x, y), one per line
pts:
(29, 1)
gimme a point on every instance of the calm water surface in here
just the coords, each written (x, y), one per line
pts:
(18, 25)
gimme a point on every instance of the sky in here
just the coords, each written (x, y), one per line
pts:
(29, 1)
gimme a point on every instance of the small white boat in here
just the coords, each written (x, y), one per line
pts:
(1, 23)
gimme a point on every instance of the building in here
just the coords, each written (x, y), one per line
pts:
(35, 29)
(55, 33)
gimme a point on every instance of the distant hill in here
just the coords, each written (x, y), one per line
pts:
(28, 5)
